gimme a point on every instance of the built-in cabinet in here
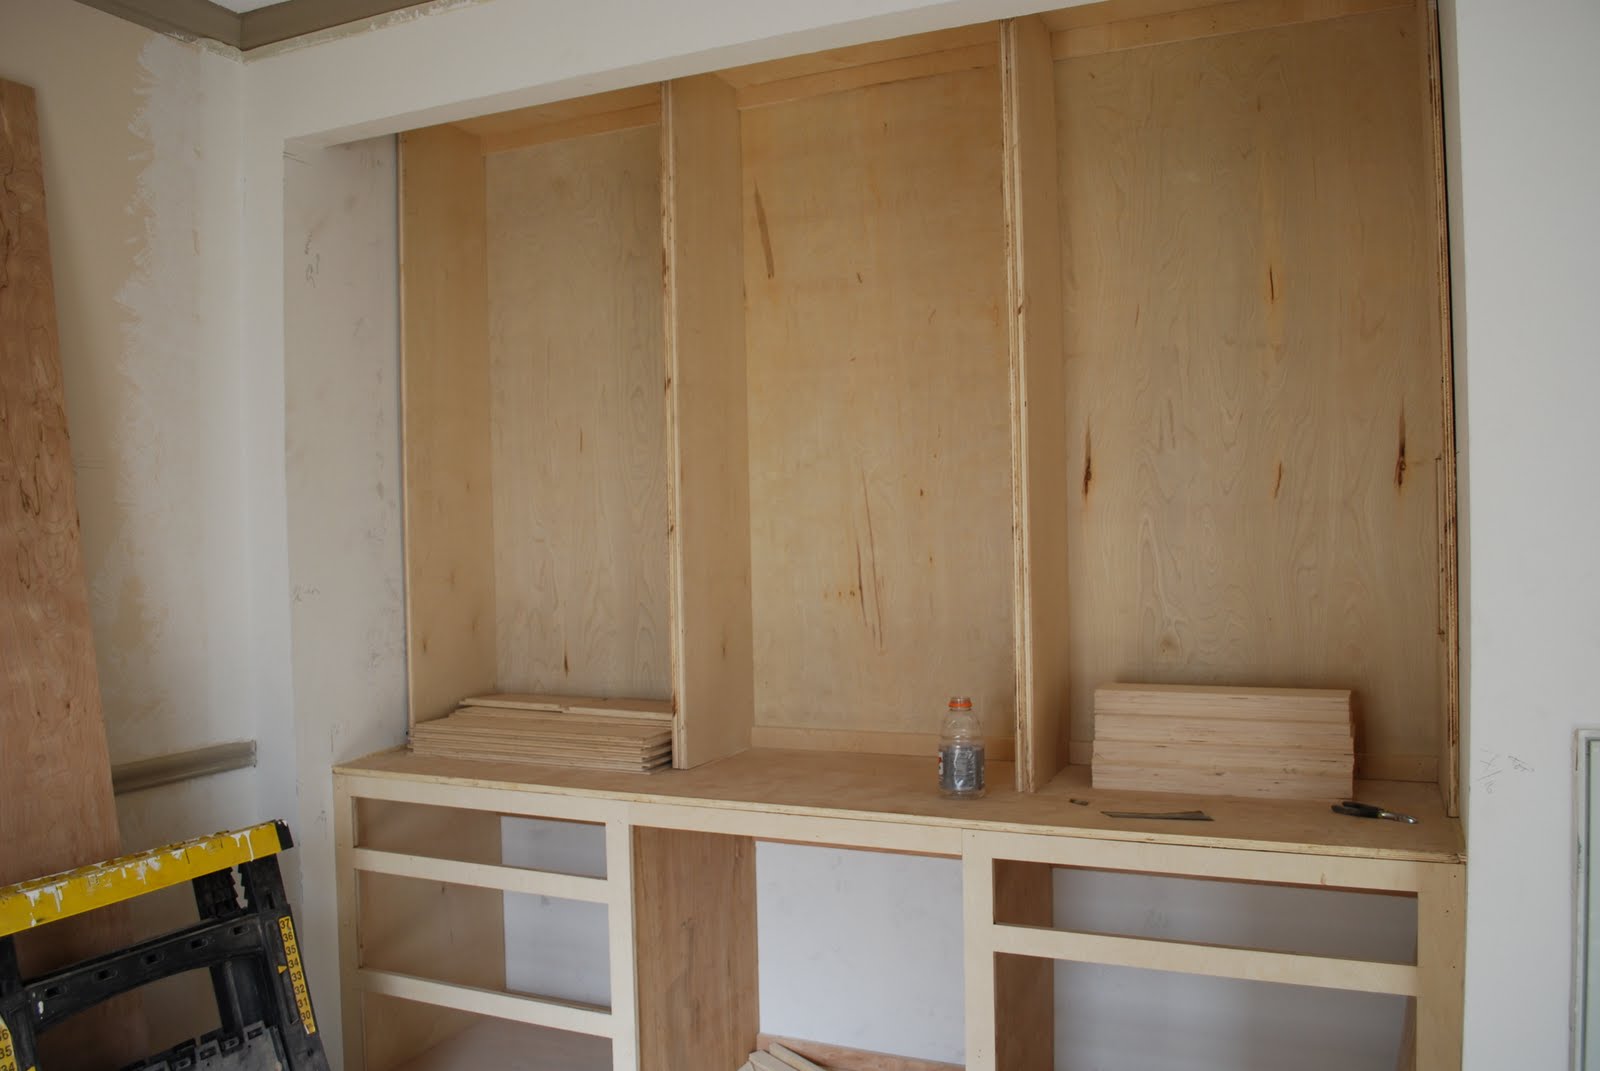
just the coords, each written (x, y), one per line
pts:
(1010, 360)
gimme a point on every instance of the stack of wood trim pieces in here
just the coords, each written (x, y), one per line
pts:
(633, 735)
(779, 1058)
(1276, 743)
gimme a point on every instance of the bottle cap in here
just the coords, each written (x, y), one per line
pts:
(960, 702)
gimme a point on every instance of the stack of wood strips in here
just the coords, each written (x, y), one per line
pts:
(633, 735)
(779, 1058)
(1278, 743)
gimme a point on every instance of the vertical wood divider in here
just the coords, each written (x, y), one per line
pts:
(708, 477)
(1025, 986)
(1038, 398)
(694, 897)
(345, 878)
(1441, 954)
(619, 928)
(1449, 563)
(977, 924)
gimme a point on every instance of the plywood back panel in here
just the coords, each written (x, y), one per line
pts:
(880, 442)
(449, 514)
(708, 447)
(576, 421)
(1253, 359)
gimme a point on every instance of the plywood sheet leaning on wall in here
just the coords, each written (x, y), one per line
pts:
(1253, 360)
(880, 443)
(56, 806)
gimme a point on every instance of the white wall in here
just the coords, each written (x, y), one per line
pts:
(341, 451)
(1524, 97)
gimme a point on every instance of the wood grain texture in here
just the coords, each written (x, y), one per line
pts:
(636, 709)
(922, 65)
(504, 1046)
(1001, 749)
(578, 117)
(1121, 24)
(444, 400)
(1038, 398)
(1449, 761)
(57, 809)
(842, 1058)
(870, 54)
(1253, 379)
(1024, 986)
(880, 515)
(1441, 967)
(707, 436)
(695, 932)
(578, 435)
(889, 790)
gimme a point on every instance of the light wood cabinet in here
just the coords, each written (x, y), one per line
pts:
(1011, 360)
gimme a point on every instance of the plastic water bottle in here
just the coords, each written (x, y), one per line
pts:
(961, 752)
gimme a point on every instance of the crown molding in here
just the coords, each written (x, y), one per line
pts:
(264, 26)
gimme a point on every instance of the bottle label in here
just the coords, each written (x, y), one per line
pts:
(961, 768)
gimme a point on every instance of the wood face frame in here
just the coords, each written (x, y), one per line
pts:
(680, 886)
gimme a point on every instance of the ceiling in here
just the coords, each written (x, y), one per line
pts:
(246, 24)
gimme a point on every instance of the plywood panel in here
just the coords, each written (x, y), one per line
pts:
(450, 599)
(879, 427)
(1137, 23)
(706, 420)
(1024, 986)
(580, 516)
(56, 806)
(1038, 413)
(1448, 763)
(838, 790)
(870, 54)
(637, 106)
(695, 930)
(1253, 371)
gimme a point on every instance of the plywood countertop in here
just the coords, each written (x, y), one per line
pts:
(900, 790)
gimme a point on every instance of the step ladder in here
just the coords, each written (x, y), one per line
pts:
(245, 938)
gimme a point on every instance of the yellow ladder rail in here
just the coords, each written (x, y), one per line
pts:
(72, 892)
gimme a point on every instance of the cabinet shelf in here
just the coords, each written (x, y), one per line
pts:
(514, 1047)
(899, 790)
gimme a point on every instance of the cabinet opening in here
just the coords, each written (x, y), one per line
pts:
(404, 1035)
(1122, 1019)
(879, 441)
(389, 832)
(534, 431)
(1301, 920)
(845, 934)
(1259, 470)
